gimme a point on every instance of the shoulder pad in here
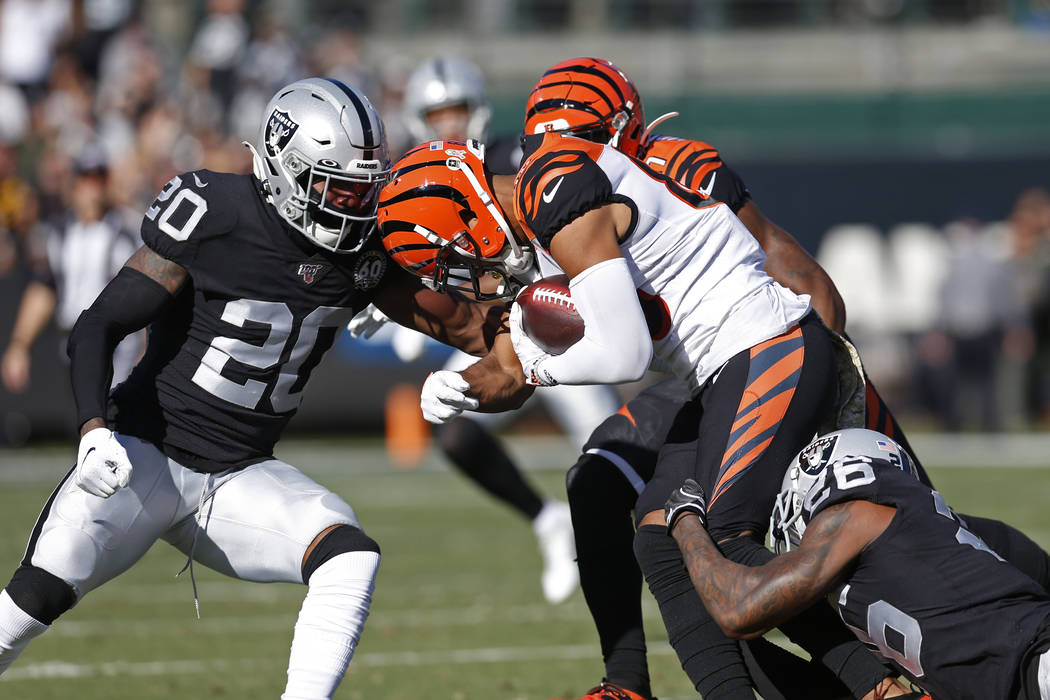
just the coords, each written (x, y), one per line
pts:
(192, 207)
(558, 182)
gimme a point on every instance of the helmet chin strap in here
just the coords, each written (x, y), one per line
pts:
(518, 259)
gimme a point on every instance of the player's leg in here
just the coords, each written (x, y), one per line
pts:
(746, 426)
(80, 541)
(270, 522)
(602, 486)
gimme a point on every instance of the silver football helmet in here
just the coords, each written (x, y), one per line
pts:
(322, 157)
(444, 82)
(804, 480)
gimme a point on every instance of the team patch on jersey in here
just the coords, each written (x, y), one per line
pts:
(369, 270)
(279, 131)
(815, 457)
(311, 272)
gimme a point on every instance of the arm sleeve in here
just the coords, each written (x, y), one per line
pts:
(616, 346)
(129, 302)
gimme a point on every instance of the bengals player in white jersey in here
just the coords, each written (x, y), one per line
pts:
(654, 268)
(592, 98)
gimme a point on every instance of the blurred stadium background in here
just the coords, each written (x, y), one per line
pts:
(906, 143)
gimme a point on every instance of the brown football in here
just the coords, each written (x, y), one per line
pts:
(548, 314)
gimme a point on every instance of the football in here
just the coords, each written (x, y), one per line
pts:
(548, 315)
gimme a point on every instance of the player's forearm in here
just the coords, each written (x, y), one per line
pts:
(616, 346)
(128, 303)
(496, 381)
(745, 601)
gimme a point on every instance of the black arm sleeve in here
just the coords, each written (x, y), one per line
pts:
(129, 302)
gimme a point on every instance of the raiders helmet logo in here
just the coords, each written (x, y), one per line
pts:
(279, 131)
(310, 272)
(369, 270)
(815, 457)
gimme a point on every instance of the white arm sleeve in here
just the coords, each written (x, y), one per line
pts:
(616, 346)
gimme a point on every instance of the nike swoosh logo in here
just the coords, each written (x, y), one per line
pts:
(548, 196)
(201, 183)
(706, 191)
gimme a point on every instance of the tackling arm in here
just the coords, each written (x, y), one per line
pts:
(450, 317)
(138, 293)
(789, 264)
(747, 601)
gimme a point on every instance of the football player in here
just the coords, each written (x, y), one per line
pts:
(854, 524)
(593, 99)
(244, 282)
(653, 267)
(445, 98)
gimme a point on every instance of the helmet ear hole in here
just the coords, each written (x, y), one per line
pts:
(467, 215)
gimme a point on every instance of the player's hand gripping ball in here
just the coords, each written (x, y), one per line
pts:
(548, 315)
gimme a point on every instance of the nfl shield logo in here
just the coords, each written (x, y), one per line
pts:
(279, 131)
(309, 272)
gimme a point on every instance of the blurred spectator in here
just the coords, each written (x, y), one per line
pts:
(29, 32)
(978, 313)
(218, 46)
(1029, 226)
(82, 250)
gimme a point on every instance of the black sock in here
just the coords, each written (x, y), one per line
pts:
(601, 500)
(711, 660)
(477, 454)
(1013, 546)
(818, 630)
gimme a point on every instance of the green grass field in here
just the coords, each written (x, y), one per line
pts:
(458, 612)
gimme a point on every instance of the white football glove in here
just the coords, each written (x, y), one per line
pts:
(529, 353)
(102, 463)
(442, 397)
(365, 324)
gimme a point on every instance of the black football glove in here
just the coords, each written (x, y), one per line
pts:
(687, 498)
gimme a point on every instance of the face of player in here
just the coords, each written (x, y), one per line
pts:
(449, 122)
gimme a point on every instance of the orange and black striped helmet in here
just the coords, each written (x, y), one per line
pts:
(439, 220)
(589, 98)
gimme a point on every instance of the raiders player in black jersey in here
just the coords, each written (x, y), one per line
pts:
(904, 572)
(244, 282)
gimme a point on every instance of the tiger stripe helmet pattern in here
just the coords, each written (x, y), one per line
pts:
(589, 98)
(439, 220)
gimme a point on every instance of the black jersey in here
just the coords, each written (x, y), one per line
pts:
(227, 361)
(503, 155)
(929, 595)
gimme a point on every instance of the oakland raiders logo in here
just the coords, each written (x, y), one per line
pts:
(311, 272)
(815, 457)
(369, 270)
(279, 131)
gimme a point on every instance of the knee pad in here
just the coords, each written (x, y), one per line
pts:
(41, 594)
(343, 539)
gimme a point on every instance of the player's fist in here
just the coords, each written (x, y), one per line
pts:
(102, 464)
(687, 498)
(444, 396)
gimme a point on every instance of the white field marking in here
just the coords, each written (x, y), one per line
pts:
(400, 619)
(62, 669)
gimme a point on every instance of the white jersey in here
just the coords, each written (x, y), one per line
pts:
(697, 268)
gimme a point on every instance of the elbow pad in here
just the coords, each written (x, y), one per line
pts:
(129, 302)
(616, 346)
